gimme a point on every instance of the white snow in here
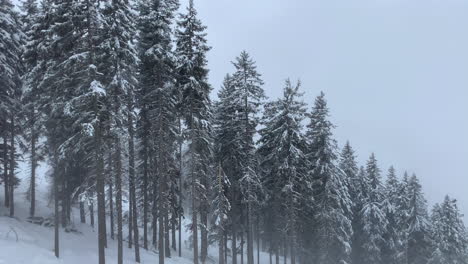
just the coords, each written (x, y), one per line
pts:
(35, 243)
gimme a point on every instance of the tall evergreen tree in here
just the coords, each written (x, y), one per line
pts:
(374, 221)
(333, 205)
(191, 49)
(393, 236)
(11, 69)
(247, 96)
(156, 95)
(283, 160)
(418, 239)
(449, 234)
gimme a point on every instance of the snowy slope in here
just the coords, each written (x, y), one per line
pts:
(35, 243)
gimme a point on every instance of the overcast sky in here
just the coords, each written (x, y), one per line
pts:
(395, 73)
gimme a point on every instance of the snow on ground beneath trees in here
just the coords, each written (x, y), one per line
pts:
(24, 242)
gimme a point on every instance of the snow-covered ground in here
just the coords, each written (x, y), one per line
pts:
(24, 242)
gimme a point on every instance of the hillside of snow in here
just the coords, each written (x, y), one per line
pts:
(22, 242)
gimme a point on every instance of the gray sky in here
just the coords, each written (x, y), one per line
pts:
(395, 73)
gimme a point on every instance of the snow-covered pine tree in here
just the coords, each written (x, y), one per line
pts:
(284, 164)
(11, 69)
(393, 236)
(157, 123)
(191, 49)
(355, 176)
(119, 61)
(418, 235)
(374, 221)
(333, 205)
(448, 233)
(247, 96)
(228, 152)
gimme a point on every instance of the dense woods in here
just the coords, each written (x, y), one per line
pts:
(114, 96)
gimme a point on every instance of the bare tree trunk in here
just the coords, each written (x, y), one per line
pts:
(6, 181)
(130, 221)
(56, 211)
(277, 253)
(82, 213)
(257, 226)
(12, 168)
(135, 229)
(155, 219)
(204, 226)
(225, 247)
(91, 213)
(32, 188)
(111, 197)
(173, 231)
(234, 242)
(194, 229)
(118, 201)
(167, 244)
(285, 251)
(221, 249)
(131, 164)
(161, 248)
(145, 199)
(100, 196)
(242, 247)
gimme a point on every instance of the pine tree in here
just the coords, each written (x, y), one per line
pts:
(333, 205)
(157, 123)
(11, 69)
(283, 160)
(374, 222)
(393, 235)
(228, 151)
(449, 234)
(247, 96)
(191, 49)
(418, 234)
(119, 69)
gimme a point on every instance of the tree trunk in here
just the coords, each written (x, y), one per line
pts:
(167, 244)
(173, 231)
(136, 235)
(161, 248)
(12, 168)
(100, 196)
(221, 249)
(194, 229)
(285, 250)
(6, 182)
(91, 214)
(234, 242)
(82, 213)
(145, 199)
(180, 186)
(204, 231)
(258, 239)
(32, 188)
(225, 247)
(242, 247)
(118, 201)
(131, 170)
(154, 212)
(56, 211)
(111, 197)
(130, 221)
(277, 253)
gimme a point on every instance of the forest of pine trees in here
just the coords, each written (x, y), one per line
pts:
(114, 96)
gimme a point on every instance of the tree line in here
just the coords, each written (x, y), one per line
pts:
(114, 95)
